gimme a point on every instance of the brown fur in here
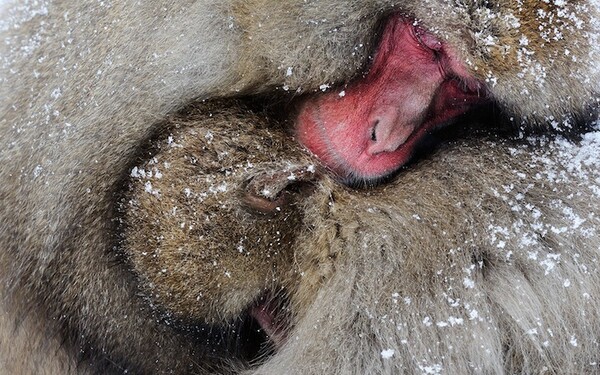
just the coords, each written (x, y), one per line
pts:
(214, 161)
(83, 85)
(503, 282)
(525, 51)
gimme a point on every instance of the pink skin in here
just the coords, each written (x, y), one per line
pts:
(415, 84)
(265, 314)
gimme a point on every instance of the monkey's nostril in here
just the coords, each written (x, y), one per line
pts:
(374, 131)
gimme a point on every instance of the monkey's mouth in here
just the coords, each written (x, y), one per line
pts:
(458, 103)
(272, 316)
(260, 331)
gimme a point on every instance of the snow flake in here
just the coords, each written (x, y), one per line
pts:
(324, 87)
(434, 369)
(387, 353)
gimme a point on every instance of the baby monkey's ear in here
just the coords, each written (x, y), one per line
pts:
(269, 190)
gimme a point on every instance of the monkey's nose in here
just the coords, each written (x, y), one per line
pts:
(387, 135)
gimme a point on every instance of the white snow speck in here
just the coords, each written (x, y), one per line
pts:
(388, 353)
(468, 283)
(37, 171)
(434, 369)
(149, 189)
(573, 341)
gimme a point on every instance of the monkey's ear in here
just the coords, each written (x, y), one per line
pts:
(269, 190)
